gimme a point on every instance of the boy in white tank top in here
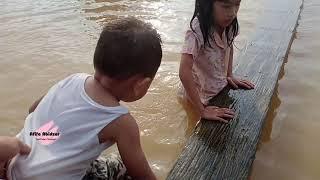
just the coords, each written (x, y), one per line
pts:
(80, 116)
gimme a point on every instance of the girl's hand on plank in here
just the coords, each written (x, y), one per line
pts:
(236, 83)
(217, 114)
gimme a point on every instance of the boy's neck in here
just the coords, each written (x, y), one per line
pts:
(104, 94)
(110, 89)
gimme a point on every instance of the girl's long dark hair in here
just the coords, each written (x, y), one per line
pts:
(204, 12)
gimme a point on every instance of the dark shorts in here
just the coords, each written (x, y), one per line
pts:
(111, 168)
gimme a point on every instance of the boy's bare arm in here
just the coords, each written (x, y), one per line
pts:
(10, 146)
(233, 81)
(132, 155)
(125, 132)
(34, 105)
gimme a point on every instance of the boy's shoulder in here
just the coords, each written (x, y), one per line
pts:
(99, 95)
(71, 77)
(74, 75)
(124, 126)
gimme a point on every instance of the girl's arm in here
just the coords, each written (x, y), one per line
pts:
(186, 77)
(229, 73)
(210, 112)
(234, 82)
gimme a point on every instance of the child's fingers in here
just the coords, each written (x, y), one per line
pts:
(215, 118)
(226, 116)
(24, 148)
(227, 111)
(244, 85)
(224, 112)
(220, 119)
(221, 110)
(248, 83)
(212, 107)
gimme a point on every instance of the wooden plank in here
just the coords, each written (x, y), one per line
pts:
(226, 151)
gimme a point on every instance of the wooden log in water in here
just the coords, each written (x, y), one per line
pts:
(226, 151)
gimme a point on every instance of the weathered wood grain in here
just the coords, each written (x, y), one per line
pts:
(226, 151)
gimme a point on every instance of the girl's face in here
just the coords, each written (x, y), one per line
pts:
(225, 11)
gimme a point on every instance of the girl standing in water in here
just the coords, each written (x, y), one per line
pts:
(207, 57)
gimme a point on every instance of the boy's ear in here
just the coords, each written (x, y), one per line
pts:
(142, 85)
(146, 81)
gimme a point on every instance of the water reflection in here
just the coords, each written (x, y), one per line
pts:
(169, 17)
(289, 149)
(266, 134)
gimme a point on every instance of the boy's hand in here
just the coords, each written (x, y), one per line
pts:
(217, 114)
(239, 83)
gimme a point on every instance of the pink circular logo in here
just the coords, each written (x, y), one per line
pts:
(47, 134)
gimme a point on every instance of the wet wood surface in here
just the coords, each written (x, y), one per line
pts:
(226, 151)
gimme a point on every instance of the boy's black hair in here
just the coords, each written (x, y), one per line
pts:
(128, 47)
(204, 11)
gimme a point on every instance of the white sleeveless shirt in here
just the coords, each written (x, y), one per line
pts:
(63, 133)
